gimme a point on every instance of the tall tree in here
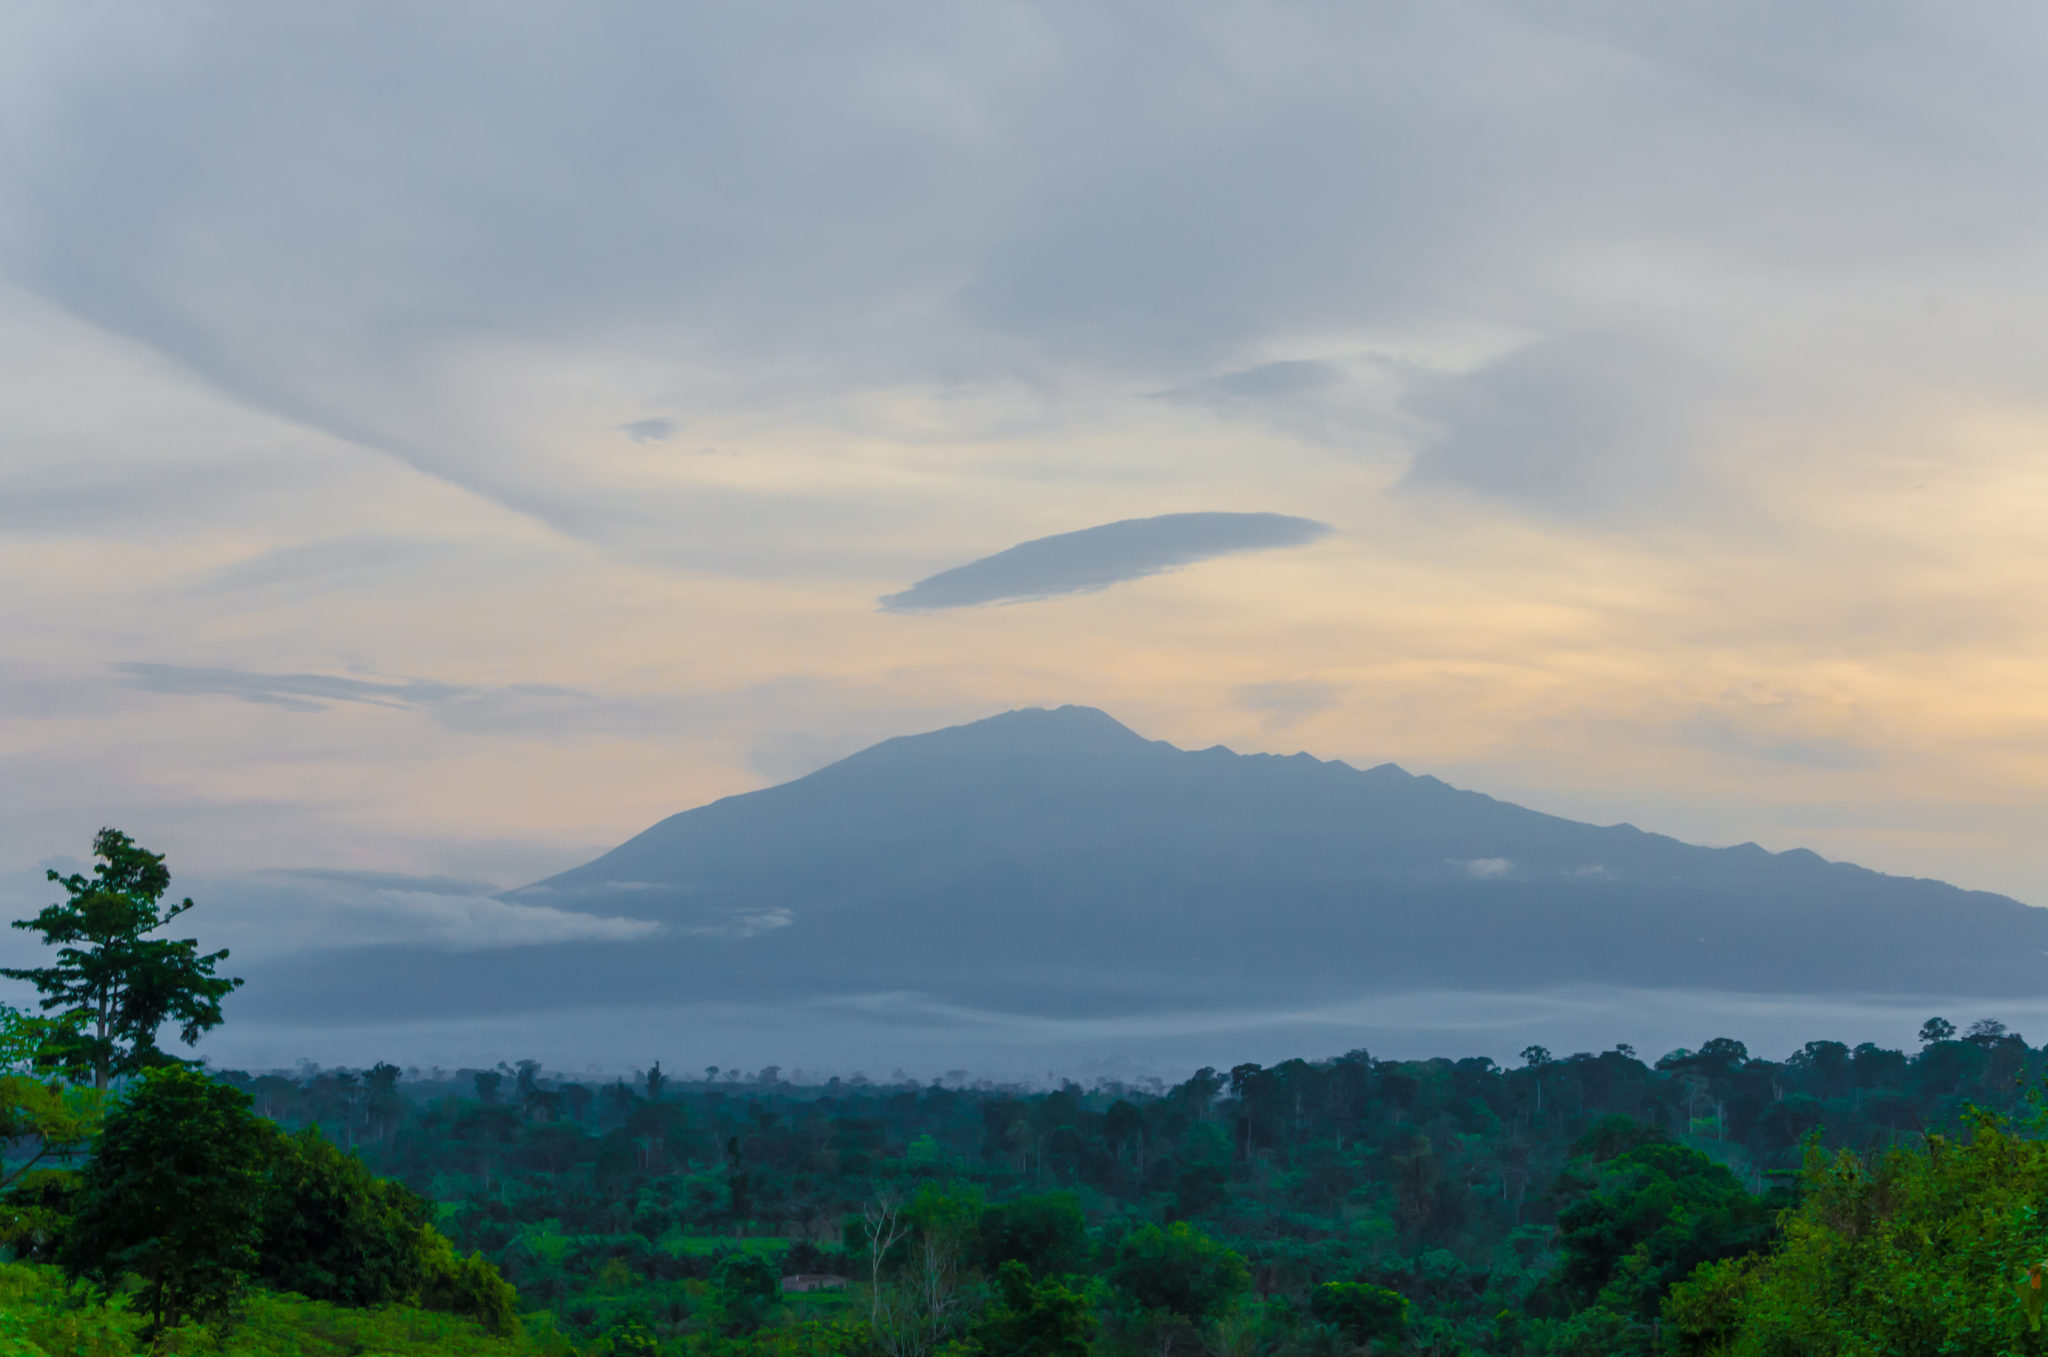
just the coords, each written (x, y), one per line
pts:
(118, 983)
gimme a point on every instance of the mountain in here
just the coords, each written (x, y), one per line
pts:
(1053, 862)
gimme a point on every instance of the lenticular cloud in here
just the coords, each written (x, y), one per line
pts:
(1095, 558)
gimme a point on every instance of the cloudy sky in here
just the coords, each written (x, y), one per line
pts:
(439, 441)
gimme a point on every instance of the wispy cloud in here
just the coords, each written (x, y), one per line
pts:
(1095, 558)
(301, 692)
(656, 429)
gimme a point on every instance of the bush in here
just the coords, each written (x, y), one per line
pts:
(1705, 1310)
(37, 1211)
(334, 1231)
(465, 1286)
(41, 1317)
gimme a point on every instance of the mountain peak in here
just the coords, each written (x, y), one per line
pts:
(1050, 851)
(1023, 732)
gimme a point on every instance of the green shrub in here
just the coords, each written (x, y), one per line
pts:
(334, 1231)
(465, 1286)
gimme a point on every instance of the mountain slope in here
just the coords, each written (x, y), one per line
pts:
(1054, 862)
(1060, 840)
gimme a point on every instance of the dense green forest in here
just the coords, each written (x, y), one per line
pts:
(1513, 1209)
(1431, 1206)
(1840, 1200)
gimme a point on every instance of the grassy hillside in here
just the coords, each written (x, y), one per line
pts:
(39, 1318)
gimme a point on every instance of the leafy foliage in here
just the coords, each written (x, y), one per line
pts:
(115, 985)
(1033, 1318)
(41, 1317)
(174, 1195)
(1047, 1234)
(1654, 1213)
(1179, 1271)
(44, 1122)
(334, 1231)
(1362, 1313)
(746, 1286)
(1937, 1248)
(466, 1285)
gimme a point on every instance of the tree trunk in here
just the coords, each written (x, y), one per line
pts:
(99, 1055)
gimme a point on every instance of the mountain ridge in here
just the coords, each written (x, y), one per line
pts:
(1055, 864)
(1037, 732)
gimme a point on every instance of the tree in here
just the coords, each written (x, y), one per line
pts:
(334, 1231)
(1048, 1235)
(1534, 1059)
(1033, 1318)
(1658, 1211)
(1936, 1029)
(1180, 1271)
(53, 1120)
(1928, 1248)
(174, 1195)
(119, 984)
(45, 1122)
(917, 1300)
(1361, 1312)
(745, 1286)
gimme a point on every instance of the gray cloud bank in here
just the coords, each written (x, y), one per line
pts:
(1095, 558)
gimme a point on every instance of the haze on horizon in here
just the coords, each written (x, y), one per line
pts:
(440, 442)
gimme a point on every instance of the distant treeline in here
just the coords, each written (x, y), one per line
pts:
(1532, 1208)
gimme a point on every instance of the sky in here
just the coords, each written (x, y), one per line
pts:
(437, 442)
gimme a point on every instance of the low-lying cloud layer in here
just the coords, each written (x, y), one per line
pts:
(271, 913)
(1095, 558)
